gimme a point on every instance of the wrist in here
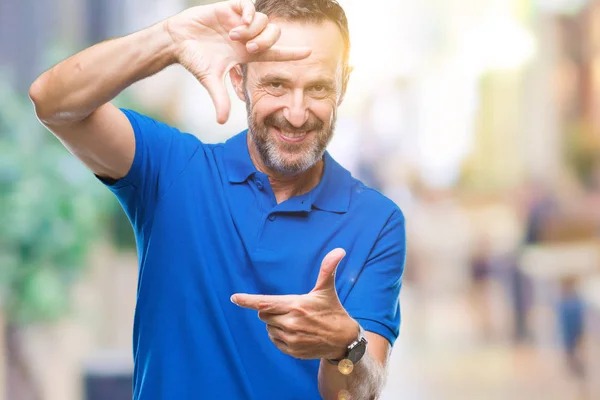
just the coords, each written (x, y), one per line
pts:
(150, 51)
(349, 332)
(168, 45)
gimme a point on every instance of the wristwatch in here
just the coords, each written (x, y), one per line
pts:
(355, 351)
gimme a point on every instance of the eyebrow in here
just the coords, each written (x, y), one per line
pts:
(287, 79)
(275, 78)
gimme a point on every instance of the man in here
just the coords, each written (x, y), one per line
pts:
(263, 220)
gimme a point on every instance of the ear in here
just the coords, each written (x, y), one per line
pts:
(237, 81)
(345, 79)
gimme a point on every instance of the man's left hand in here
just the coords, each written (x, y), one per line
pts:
(310, 326)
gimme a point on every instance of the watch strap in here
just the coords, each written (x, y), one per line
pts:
(361, 336)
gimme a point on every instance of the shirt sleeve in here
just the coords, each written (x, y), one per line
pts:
(374, 300)
(161, 154)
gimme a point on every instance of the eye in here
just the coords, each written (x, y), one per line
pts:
(319, 88)
(274, 88)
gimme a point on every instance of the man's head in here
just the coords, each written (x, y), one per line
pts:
(292, 105)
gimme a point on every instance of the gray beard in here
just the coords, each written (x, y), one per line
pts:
(271, 155)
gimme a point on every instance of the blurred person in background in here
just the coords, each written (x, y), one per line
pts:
(570, 318)
(557, 219)
(540, 207)
(481, 266)
(268, 212)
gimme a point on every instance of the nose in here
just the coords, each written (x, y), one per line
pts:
(297, 111)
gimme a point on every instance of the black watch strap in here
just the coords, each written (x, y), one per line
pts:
(355, 350)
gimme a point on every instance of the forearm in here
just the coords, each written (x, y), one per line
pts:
(364, 383)
(74, 88)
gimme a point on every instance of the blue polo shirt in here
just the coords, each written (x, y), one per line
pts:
(207, 225)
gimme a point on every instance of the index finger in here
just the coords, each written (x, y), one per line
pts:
(245, 8)
(283, 53)
(258, 302)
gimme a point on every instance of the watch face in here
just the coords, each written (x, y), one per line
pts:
(358, 351)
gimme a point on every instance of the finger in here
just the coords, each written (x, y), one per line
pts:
(245, 8)
(248, 12)
(218, 93)
(280, 307)
(276, 336)
(326, 279)
(248, 32)
(267, 38)
(283, 53)
(276, 332)
(258, 302)
(269, 317)
(280, 344)
(287, 323)
(272, 319)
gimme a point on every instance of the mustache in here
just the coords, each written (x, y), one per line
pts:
(278, 121)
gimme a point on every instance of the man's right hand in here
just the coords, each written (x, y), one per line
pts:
(210, 40)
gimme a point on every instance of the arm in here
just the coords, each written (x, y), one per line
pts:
(72, 99)
(367, 378)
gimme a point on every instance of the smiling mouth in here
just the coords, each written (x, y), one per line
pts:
(292, 137)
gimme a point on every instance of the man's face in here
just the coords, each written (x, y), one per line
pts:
(292, 105)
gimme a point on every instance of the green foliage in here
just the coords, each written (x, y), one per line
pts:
(51, 211)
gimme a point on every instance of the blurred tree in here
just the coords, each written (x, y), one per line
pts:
(51, 210)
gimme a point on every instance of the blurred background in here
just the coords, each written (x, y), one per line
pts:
(480, 118)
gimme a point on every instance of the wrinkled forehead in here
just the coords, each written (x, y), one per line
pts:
(325, 40)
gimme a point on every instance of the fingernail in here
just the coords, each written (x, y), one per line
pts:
(252, 47)
(234, 35)
(233, 299)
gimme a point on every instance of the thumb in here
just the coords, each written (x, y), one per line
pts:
(218, 93)
(211, 77)
(326, 279)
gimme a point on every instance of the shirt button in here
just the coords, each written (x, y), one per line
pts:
(272, 217)
(259, 185)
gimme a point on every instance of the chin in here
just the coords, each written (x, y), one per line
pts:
(293, 165)
(290, 169)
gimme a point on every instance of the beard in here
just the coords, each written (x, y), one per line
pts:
(289, 158)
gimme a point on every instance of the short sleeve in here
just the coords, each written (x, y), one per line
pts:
(161, 155)
(374, 299)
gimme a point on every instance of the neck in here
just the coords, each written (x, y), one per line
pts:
(287, 186)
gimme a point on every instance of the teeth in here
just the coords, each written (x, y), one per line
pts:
(293, 135)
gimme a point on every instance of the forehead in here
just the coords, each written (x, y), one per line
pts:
(325, 40)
